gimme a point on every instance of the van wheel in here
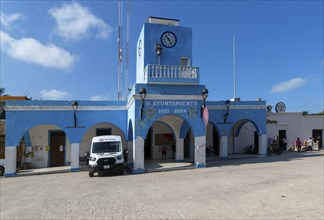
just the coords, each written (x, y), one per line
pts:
(1, 171)
(90, 174)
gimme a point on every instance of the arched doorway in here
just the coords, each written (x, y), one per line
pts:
(173, 133)
(43, 146)
(212, 141)
(245, 138)
(99, 129)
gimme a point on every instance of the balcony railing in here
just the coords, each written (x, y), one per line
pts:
(171, 74)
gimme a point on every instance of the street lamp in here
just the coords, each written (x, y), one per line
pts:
(142, 93)
(204, 94)
(227, 105)
(158, 49)
(75, 107)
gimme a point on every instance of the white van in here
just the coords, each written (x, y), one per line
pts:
(106, 154)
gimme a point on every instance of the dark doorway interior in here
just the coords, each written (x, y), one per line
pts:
(317, 135)
(256, 142)
(186, 144)
(282, 134)
(103, 131)
(57, 148)
(216, 141)
(148, 146)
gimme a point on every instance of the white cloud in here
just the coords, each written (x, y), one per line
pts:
(32, 51)
(288, 85)
(54, 95)
(75, 22)
(99, 98)
(7, 19)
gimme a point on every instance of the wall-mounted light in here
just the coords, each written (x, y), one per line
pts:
(158, 49)
(204, 94)
(227, 105)
(142, 93)
(75, 107)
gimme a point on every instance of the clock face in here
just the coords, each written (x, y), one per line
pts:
(140, 48)
(168, 39)
(280, 107)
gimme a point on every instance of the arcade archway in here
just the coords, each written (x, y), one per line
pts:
(167, 132)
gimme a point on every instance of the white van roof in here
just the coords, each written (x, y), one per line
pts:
(106, 138)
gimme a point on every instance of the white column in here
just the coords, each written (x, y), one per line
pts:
(263, 145)
(138, 155)
(11, 157)
(223, 147)
(179, 149)
(130, 153)
(75, 157)
(200, 151)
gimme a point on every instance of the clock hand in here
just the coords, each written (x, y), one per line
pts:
(168, 39)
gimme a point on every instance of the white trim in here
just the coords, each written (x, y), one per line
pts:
(174, 97)
(215, 107)
(63, 108)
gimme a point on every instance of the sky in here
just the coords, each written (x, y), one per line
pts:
(67, 50)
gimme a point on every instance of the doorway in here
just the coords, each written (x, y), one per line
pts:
(317, 135)
(216, 141)
(57, 148)
(256, 142)
(282, 134)
(148, 145)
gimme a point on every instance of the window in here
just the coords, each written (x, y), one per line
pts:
(103, 131)
(184, 61)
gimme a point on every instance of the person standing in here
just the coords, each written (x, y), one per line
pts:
(164, 152)
(298, 145)
(310, 143)
(173, 150)
(284, 143)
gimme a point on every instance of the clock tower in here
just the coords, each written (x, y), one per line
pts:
(164, 53)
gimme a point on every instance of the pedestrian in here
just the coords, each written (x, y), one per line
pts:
(298, 145)
(310, 143)
(173, 150)
(284, 143)
(164, 152)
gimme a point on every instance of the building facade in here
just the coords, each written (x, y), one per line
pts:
(293, 125)
(166, 106)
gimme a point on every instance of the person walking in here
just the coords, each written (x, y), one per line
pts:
(298, 145)
(310, 143)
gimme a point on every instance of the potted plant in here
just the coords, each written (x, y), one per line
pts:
(28, 160)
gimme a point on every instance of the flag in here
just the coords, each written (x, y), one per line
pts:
(205, 115)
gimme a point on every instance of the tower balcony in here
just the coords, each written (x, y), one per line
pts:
(161, 74)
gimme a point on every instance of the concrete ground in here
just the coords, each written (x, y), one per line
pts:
(289, 186)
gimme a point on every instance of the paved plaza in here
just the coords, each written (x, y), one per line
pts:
(289, 186)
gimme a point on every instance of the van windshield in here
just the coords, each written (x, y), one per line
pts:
(106, 147)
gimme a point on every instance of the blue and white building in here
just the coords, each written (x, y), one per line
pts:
(166, 106)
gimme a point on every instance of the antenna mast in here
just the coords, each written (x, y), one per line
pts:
(234, 68)
(120, 51)
(127, 48)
